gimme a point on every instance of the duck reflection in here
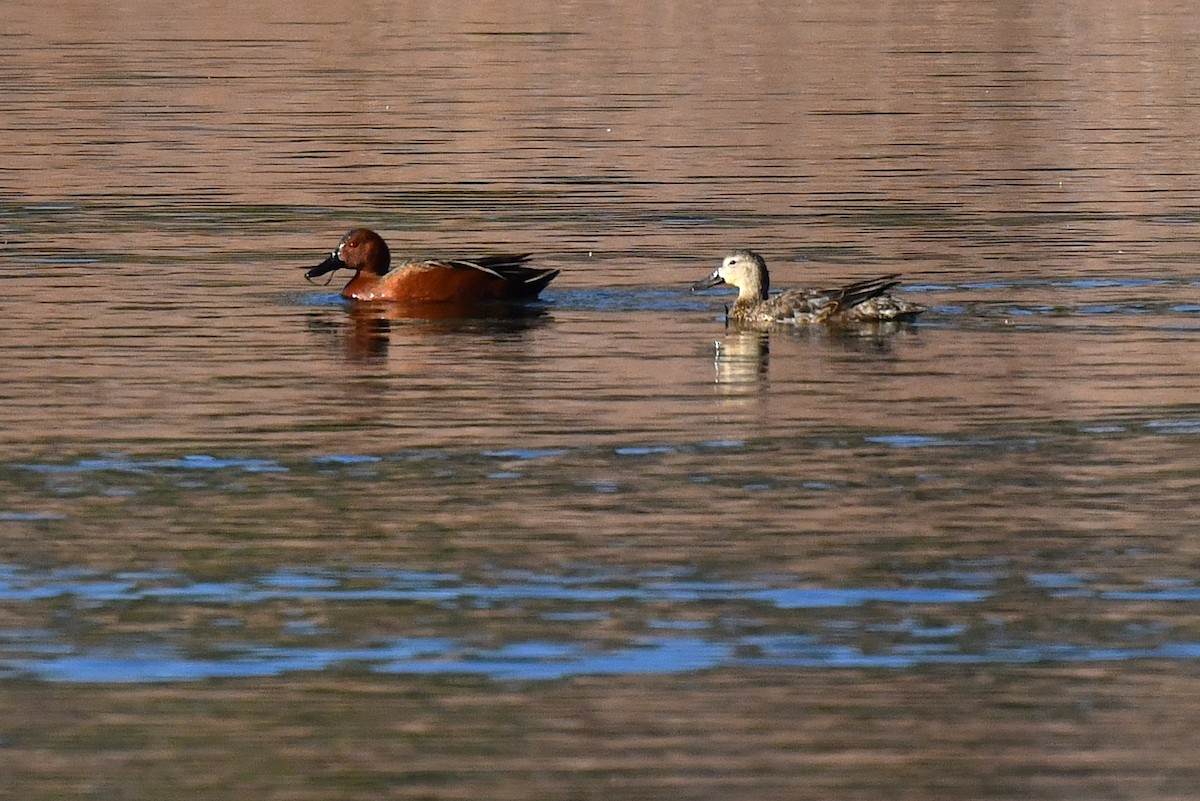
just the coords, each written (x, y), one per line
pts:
(365, 333)
(742, 358)
(877, 337)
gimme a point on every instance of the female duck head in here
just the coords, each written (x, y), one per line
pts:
(743, 269)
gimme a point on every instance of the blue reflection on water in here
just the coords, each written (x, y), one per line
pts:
(687, 624)
(190, 462)
(535, 660)
(293, 585)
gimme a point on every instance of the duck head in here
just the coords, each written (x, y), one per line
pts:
(361, 249)
(743, 269)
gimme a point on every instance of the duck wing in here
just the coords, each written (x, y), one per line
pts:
(850, 295)
(819, 305)
(526, 282)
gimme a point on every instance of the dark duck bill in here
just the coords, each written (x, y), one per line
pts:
(331, 264)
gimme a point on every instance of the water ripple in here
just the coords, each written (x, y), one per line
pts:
(710, 625)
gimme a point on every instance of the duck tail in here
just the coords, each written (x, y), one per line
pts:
(537, 280)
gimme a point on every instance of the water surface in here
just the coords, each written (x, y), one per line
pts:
(253, 539)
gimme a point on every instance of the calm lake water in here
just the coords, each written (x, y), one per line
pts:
(255, 542)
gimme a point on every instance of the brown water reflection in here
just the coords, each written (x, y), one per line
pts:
(946, 734)
(367, 329)
(253, 538)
